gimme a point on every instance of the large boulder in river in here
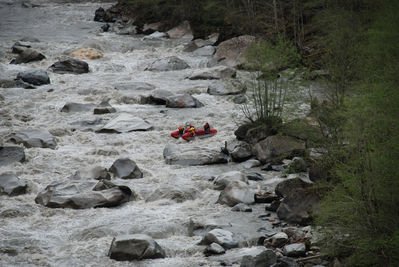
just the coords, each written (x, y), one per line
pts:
(11, 185)
(275, 148)
(125, 169)
(86, 53)
(77, 107)
(222, 237)
(159, 96)
(236, 192)
(215, 73)
(183, 101)
(83, 195)
(19, 47)
(224, 179)
(36, 77)
(28, 55)
(284, 188)
(135, 247)
(70, 65)
(104, 108)
(125, 123)
(167, 64)
(11, 154)
(232, 52)
(34, 138)
(239, 151)
(265, 258)
(181, 31)
(192, 155)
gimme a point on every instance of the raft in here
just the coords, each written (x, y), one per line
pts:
(200, 133)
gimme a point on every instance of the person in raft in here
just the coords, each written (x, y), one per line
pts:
(181, 130)
(207, 128)
(192, 131)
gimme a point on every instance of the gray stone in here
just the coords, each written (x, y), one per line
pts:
(181, 31)
(77, 107)
(70, 65)
(19, 47)
(215, 73)
(265, 258)
(36, 77)
(11, 154)
(225, 89)
(221, 237)
(168, 64)
(125, 123)
(83, 195)
(294, 250)
(214, 249)
(297, 165)
(104, 108)
(183, 101)
(285, 188)
(97, 173)
(34, 138)
(239, 151)
(192, 156)
(205, 51)
(241, 207)
(254, 176)
(174, 193)
(125, 168)
(135, 247)
(11, 185)
(28, 55)
(224, 179)
(236, 192)
(240, 99)
(251, 163)
(159, 97)
(286, 262)
(279, 239)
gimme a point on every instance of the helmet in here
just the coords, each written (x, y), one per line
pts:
(180, 128)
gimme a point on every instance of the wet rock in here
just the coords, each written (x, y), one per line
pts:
(34, 138)
(28, 55)
(19, 47)
(275, 148)
(224, 89)
(265, 197)
(198, 43)
(271, 167)
(174, 193)
(155, 35)
(240, 99)
(99, 15)
(239, 151)
(251, 163)
(86, 53)
(11, 154)
(205, 51)
(125, 169)
(286, 262)
(104, 108)
(77, 107)
(183, 101)
(285, 188)
(134, 86)
(168, 64)
(221, 237)
(273, 206)
(297, 165)
(105, 27)
(215, 73)
(214, 249)
(265, 258)
(70, 65)
(159, 97)
(152, 27)
(35, 77)
(135, 247)
(241, 207)
(97, 173)
(278, 239)
(121, 27)
(254, 176)
(232, 52)
(224, 179)
(181, 31)
(236, 192)
(125, 123)
(83, 195)
(294, 250)
(11, 185)
(192, 156)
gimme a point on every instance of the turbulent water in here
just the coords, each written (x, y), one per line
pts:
(34, 235)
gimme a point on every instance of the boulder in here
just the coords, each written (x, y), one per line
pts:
(183, 101)
(285, 188)
(104, 108)
(135, 247)
(224, 179)
(134, 86)
(159, 97)
(11, 185)
(155, 35)
(236, 192)
(239, 151)
(28, 55)
(125, 168)
(168, 64)
(19, 47)
(297, 164)
(265, 197)
(224, 89)
(181, 31)
(251, 163)
(240, 99)
(77, 107)
(214, 249)
(273, 206)
(11, 154)
(278, 240)
(153, 27)
(241, 207)
(83, 195)
(232, 52)
(215, 73)
(174, 193)
(294, 250)
(34, 138)
(86, 53)
(70, 65)
(105, 27)
(287, 262)
(35, 77)
(121, 27)
(221, 237)
(205, 51)
(192, 156)
(265, 258)
(275, 148)
(108, 15)
(254, 176)
(125, 123)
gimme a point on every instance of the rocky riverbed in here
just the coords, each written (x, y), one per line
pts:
(87, 163)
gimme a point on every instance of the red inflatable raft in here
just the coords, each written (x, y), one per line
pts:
(200, 133)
